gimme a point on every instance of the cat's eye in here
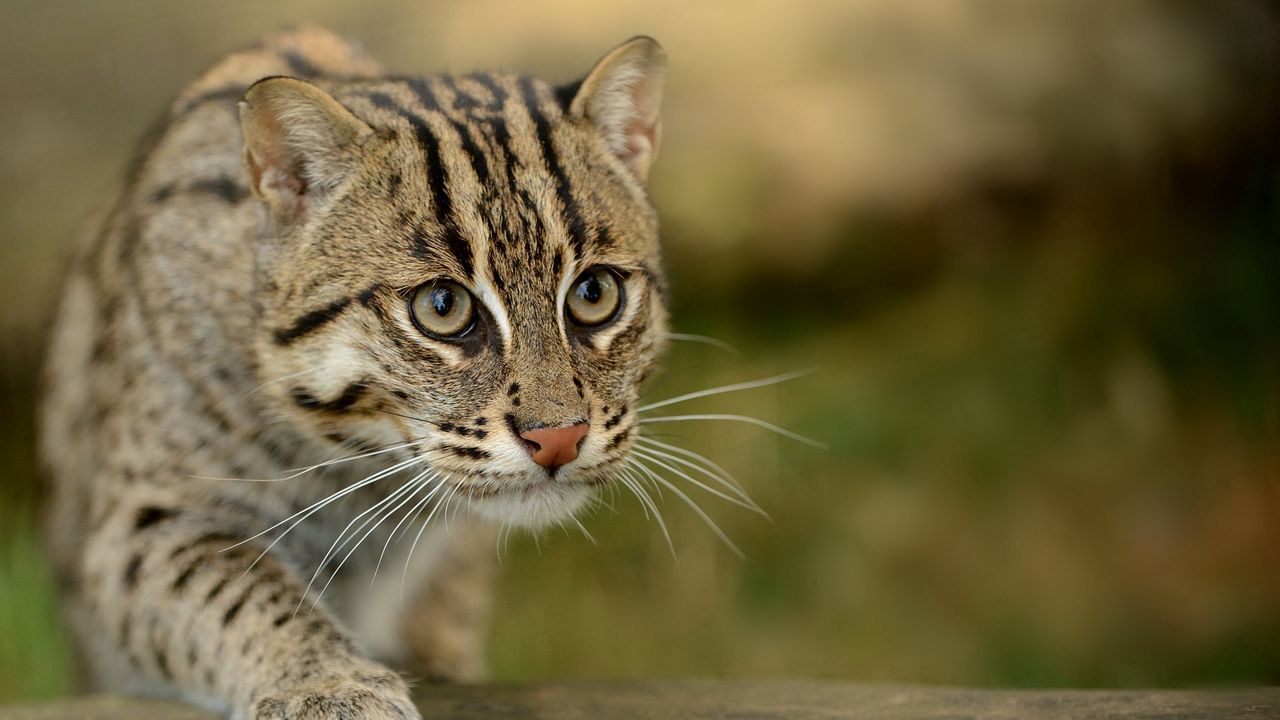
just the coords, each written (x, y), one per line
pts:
(443, 308)
(595, 297)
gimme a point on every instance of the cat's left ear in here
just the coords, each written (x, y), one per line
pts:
(621, 97)
(299, 143)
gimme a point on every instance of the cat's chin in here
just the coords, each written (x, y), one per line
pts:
(533, 508)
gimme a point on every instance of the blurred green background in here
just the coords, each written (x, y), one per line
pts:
(1033, 249)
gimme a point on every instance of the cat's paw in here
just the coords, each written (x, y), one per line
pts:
(367, 695)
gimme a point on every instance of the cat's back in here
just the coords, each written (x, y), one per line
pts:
(158, 299)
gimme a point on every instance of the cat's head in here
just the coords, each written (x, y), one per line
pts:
(468, 264)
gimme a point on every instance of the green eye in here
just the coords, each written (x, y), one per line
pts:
(594, 298)
(443, 308)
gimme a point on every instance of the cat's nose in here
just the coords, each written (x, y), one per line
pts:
(552, 447)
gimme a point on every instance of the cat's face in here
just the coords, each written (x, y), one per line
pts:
(467, 265)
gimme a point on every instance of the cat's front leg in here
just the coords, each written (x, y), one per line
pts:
(218, 623)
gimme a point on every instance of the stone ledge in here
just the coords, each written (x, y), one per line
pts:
(747, 700)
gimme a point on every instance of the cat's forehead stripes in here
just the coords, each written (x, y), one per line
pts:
(445, 230)
(489, 151)
(572, 215)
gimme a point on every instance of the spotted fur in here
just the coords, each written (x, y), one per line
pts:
(243, 310)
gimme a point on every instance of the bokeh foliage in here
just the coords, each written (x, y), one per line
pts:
(1032, 249)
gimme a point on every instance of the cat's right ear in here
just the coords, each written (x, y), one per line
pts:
(299, 143)
(621, 97)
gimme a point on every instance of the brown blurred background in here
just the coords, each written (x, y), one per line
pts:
(1032, 248)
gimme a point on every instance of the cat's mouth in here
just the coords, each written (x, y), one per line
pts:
(533, 505)
(531, 500)
(478, 491)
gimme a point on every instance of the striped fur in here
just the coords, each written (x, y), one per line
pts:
(243, 309)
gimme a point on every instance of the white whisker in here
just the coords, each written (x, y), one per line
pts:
(497, 541)
(379, 451)
(444, 500)
(643, 480)
(747, 503)
(417, 509)
(692, 506)
(504, 536)
(583, 528)
(708, 464)
(373, 511)
(749, 385)
(411, 483)
(411, 512)
(705, 340)
(379, 520)
(456, 509)
(628, 481)
(738, 418)
(633, 484)
(693, 460)
(598, 500)
(299, 472)
(307, 512)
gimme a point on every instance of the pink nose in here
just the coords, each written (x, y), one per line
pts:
(553, 447)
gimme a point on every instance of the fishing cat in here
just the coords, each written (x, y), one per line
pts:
(340, 321)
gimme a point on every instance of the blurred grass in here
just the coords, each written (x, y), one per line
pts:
(1031, 247)
(33, 654)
